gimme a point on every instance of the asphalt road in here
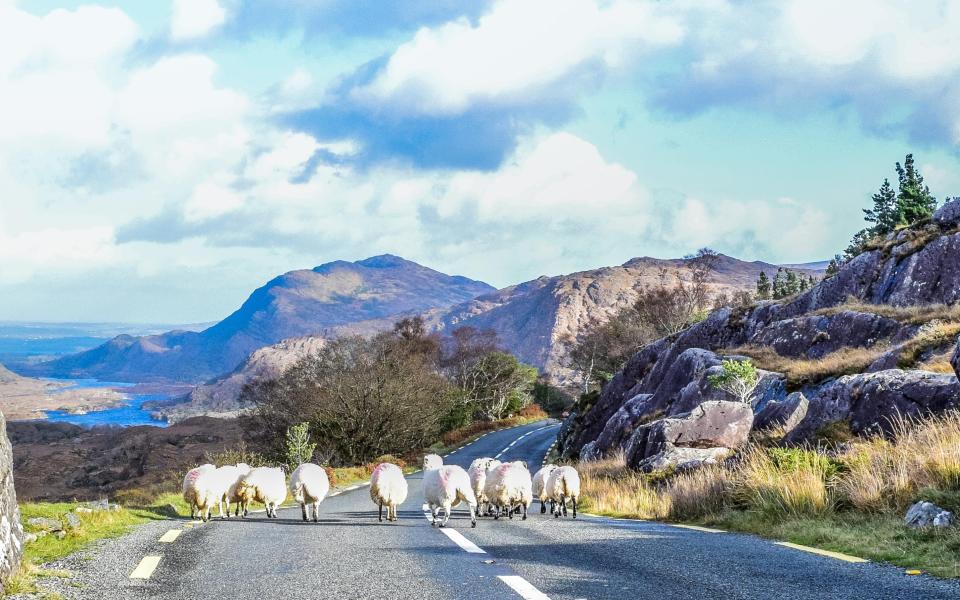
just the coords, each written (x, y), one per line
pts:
(351, 555)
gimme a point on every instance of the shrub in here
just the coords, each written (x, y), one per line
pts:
(532, 411)
(299, 447)
(739, 378)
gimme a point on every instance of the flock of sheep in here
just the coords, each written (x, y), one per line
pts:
(488, 487)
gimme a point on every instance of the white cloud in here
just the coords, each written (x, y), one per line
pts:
(896, 63)
(195, 18)
(513, 53)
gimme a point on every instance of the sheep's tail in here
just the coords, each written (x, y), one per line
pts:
(465, 494)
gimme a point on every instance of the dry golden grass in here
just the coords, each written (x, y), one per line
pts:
(792, 483)
(932, 336)
(872, 475)
(698, 493)
(910, 315)
(845, 361)
(939, 363)
(885, 476)
(612, 489)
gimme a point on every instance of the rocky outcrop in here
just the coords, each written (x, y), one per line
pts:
(871, 402)
(11, 530)
(927, 514)
(818, 335)
(916, 266)
(713, 428)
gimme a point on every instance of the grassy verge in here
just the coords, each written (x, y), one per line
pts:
(850, 499)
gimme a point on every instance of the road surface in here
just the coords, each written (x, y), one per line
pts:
(351, 555)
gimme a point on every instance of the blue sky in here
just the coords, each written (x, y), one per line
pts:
(159, 160)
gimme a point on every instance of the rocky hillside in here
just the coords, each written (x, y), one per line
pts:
(298, 303)
(532, 318)
(875, 341)
(221, 397)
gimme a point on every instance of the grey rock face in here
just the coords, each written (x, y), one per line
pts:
(948, 214)
(11, 531)
(712, 425)
(928, 514)
(955, 361)
(818, 335)
(684, 458)
(871, 401)
(786, 414)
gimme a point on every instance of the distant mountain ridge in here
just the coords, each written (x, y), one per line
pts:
(532, 318)
(298, 303)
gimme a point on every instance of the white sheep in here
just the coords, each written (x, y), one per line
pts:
(309, 485)
(388, 487)
(563, 483)
(510, 487)
(446, 486)
(540, 486)
(478, 478)
(200, 490)
(232, 496)
(263, 484)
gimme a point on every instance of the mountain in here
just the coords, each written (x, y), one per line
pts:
(299, 303)
(221, 396)
(532, 318)
(874, 343)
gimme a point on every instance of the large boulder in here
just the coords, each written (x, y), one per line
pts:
(782, 414)
(11, 530)
(713, 426)
(927, 514)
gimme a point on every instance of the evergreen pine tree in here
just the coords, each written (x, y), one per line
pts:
(764, 287)
(914, 201)
(834, 267)
(885, 214)
(793, 283)
(779, 285)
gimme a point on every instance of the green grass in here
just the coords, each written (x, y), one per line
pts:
(876, 537)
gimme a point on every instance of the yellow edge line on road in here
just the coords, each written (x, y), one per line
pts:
(170, 536)
(146, 567)
(828, 553)
(696, 528)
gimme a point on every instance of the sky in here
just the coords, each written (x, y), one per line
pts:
(160, 160)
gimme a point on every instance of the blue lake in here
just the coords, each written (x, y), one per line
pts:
(130, 413)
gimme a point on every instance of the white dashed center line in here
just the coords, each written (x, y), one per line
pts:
(146, 567)
(518, 584)
(523, 587)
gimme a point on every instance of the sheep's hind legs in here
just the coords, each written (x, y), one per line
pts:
(380, 513)
(303, 511)
(446, 515)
